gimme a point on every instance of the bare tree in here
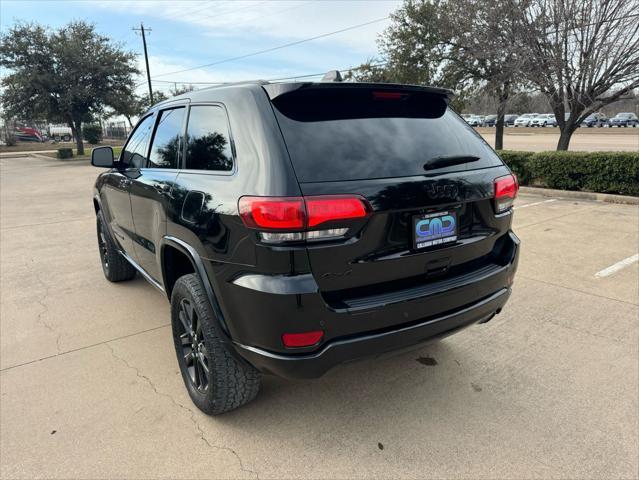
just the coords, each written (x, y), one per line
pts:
(581, 54)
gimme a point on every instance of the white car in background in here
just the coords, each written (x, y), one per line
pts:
(525, 119)
(474, 121)
(544, 120)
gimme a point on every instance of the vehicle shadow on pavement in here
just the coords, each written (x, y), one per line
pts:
(361, 388)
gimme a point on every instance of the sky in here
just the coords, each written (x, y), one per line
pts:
(187, 34)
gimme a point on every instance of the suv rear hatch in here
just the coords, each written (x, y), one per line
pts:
(428, 179)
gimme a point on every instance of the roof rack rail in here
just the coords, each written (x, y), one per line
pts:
(332, 76)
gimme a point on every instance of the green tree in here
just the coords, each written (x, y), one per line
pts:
(67, 75)
(135, 106)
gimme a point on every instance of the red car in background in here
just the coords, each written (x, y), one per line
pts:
(28, 134)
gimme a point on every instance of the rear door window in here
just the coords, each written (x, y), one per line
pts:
(354, 133)
(167, 142)
(208, 141)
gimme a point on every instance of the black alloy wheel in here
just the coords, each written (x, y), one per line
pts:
(102, 245)
(194, 352)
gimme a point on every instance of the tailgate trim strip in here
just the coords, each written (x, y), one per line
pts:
(376, 301)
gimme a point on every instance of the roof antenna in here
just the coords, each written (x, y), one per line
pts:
(332, 76)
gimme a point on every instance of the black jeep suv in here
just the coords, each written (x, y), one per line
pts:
(297, 226)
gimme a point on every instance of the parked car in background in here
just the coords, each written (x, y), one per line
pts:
(490, 120)
(525, 119)
(509, 120)
(474, 121)
(624, 119)
(544, 120)
(28, 134)
(595, 120)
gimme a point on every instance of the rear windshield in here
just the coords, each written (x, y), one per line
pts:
(352, 134)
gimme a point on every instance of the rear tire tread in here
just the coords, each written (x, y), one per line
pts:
(233, 383)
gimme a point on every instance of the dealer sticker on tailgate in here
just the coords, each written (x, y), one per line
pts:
(434, 229)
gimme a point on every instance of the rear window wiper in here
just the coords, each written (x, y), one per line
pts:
(448, 161)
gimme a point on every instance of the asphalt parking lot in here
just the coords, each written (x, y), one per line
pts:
(584, 139)
(90, 388)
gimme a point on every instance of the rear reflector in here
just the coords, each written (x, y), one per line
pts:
(305, 339)
(299, 213)
(506, 189)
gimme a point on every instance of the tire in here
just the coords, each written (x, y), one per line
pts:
(115, 267)
(217, 381)
(66, 138)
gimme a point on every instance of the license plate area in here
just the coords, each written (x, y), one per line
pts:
(435, 228)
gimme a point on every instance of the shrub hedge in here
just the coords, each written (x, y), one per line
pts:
(65, 152)
(92, 133)
(601, 172)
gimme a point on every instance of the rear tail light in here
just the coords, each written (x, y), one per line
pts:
(506, 189)
(273, 213)
(335, 207)
(286, 219)
(306, 339)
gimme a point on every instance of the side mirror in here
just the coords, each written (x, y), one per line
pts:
(102, 157)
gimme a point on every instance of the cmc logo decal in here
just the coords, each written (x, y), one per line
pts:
(435, 229)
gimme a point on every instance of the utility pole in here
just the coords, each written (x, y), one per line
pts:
(146, 58)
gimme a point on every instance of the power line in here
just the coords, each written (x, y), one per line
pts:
(276, 12)
(228, 12)
(272, 49)
(279, 79)
(195, 10)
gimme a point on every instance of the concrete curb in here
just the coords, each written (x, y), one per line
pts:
(59, 160)
(599, 197)
(24, 153)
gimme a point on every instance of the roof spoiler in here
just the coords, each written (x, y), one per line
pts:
(275, 90)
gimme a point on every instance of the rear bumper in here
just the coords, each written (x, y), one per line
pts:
(259, 309)
(345, 350)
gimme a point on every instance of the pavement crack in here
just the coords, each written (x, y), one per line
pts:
(45, 309)
(191, 412)
(586, 332)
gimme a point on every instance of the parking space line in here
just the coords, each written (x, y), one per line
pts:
(534, 203)
(626, 262)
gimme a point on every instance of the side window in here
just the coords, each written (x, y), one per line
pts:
(167, 141)
(134, 152)
(208, 144)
